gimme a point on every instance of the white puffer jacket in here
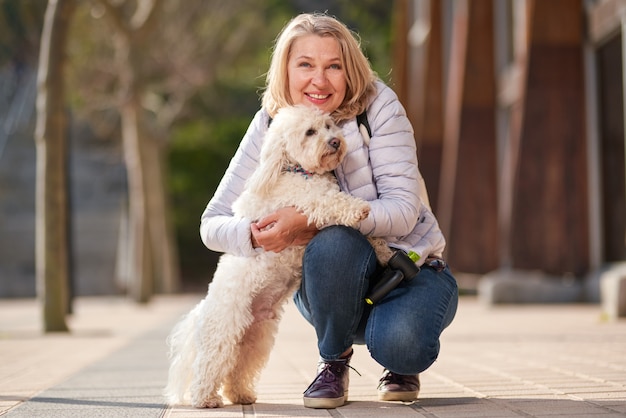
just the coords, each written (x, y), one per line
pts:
(383, 172)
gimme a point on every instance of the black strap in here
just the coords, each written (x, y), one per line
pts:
(361, 119)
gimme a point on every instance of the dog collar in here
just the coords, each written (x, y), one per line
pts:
(298, 169)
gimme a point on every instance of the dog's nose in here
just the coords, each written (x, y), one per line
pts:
(335, 143)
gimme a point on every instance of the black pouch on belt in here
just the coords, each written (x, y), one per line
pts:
(400, 267)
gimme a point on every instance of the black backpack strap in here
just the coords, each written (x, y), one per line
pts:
(361, 119)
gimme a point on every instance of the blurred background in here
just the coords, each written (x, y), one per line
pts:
(517, 106)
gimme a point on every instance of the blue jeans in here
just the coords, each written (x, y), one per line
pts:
(401, 331)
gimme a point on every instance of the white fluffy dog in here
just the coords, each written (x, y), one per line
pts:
(225, 341)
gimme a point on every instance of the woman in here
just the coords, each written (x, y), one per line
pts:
(317, 61)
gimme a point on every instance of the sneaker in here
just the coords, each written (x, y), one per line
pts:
(398, 387)
(330, 388)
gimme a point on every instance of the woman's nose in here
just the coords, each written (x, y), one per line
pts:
(319, 78)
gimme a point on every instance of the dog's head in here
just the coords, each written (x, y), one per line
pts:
(299, 135)
(307, 137)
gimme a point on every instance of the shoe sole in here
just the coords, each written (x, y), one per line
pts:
(325, 403)
(397, 396)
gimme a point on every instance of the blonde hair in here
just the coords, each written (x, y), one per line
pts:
(360, 77)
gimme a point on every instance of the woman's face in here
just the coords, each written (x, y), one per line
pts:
(316, 76)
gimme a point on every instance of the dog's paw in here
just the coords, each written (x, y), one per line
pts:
(362, 211)
(353, 213)
(210, 402)
(242, 398)
(239, 392)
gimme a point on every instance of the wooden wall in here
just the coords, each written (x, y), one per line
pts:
(520, 201)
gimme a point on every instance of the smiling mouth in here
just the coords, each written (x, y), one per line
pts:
(318, 96)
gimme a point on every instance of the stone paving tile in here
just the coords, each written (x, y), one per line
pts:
(60, 374)
(558, 407)
(505, 361)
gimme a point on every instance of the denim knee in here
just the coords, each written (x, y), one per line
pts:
(404, 352)
(403, 330)
(334, 243)
(338, 252)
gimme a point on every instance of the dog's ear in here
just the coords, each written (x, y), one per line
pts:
(273, 159)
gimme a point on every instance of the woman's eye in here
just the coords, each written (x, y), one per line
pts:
(304, 64)
(335, 66)
(311, 132)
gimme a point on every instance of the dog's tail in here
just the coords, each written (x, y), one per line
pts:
(182, 353)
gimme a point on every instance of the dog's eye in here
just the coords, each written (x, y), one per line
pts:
(311, 132)
(327, 126)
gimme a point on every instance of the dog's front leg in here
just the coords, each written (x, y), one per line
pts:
(338, 208)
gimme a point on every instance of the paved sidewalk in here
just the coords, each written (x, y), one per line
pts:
(509, 361)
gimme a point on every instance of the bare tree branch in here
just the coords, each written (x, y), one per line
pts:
(145, 18)
(114, 14)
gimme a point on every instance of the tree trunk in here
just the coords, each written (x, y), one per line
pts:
(141, 284)
(166, 274)
(51, 191)
(151, 248)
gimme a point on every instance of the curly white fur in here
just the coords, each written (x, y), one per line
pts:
(225, 341)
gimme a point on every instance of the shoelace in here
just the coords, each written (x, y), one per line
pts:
(392, 378)
(328, 366)
(327, 374)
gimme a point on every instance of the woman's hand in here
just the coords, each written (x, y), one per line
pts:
(281, 229)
